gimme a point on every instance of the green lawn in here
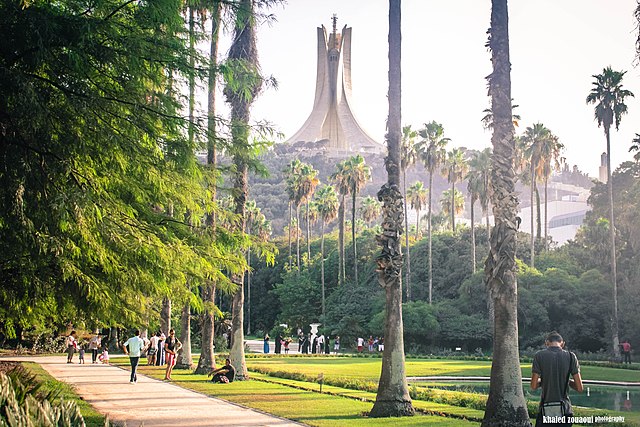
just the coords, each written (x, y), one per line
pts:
(92, 418)
(369, 369)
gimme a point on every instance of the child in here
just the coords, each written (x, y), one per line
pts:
(286, 342)
(104, 357)
(81, 355)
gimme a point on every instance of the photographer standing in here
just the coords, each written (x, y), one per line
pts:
(551, 370)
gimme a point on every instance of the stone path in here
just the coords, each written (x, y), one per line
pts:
(150, 402)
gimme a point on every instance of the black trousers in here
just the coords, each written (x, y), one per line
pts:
(94, 355)
(134, 367)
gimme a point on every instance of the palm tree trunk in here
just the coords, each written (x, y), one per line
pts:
(546, 211)
(538, 215)
(308, 234)
(322, 270)
(533, 233)
(473, 238)
(298, 237)
(249, 291)
(506, 405)
(290, 227)
(184, 358)
(192, 80)
(207, 358)
(165, 316)
(453, 207)
(393, 397)
(353, 238)
(407, 279)
(429, 233)
(612, 235)
(341, 268)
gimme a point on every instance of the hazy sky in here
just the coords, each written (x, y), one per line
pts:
(556, 46)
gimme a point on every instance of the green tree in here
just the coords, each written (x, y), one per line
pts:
(635, 146)
(308, 183)
(550, 160)
(292, 177)
(446, 203)
(477, 187)
(339, 177)
(608, 96)
(393, 397)
(506, 404)
(432, 150)
(454, 169)
(326, 202)
(370, 209)
(409, 157)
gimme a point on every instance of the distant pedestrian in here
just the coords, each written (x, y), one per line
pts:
(265, 346)
(134, 348)
(94, 345)
(153, 349)
(551, 371)
(626, 352)
(104, 357)
(285, 344)
(171, 346)
(72, 345)
(381, 344)
(81, 355)
(278, 344)
(160, 355)
(336, 344)
(314, 345)
(306, 343)
(360, 344)
(327, 344)
(321, 344)
(370, 343)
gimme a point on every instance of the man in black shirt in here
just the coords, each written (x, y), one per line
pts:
(226, 374)
(551, 370)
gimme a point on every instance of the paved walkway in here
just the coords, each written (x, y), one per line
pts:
(150, 402)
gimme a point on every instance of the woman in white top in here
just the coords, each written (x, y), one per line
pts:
(94, 346)
(71, 346)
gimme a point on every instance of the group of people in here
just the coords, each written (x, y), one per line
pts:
(99, 353)
(157, 348)
(317, 344)
(373, 344)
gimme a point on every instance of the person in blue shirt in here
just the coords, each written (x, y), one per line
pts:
(135, 346)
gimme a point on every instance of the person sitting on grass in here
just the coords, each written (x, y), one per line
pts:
(226, 374)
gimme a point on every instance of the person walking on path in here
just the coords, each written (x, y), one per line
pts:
(135, 346)
(94, 345)
(336, 345)
(72, 344)
(153, 349)
(626, 352)
(551, 370)
(171, 346)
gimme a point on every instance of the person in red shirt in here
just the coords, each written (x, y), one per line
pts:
(626, 351)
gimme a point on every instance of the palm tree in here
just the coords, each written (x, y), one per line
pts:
(487, 119)
(260, 228)
(506, 405)
(635, 144)
(353, 175)
(393, 397)
(476, 186)
(608, 96)
(454, 169)
(370, 209)
(550, 160)
(432, 149)
(417, 195)
(452, 198)
(533, 140)
(326, 202)
(409, 156)
(308, 181)
(243, 51)
(292, 173)
(342, 184)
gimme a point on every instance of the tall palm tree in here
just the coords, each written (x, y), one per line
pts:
(487, 119)
(308, 181)
(370, 209)
(550, 160)
(476, 179)
(533, 140)
(342, 186)
(243, 51)
(409, 157)
(432, 149)
(506, 405)
(454, 169)
(481, 164)
(608, 96)
(417, 195)
(253, 213)
(393, 397)
(326, 201)
(292, 179)
(452, 198)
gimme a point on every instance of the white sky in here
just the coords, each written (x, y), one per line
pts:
(556, 46)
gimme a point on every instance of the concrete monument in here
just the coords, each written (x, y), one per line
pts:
(332, 125)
